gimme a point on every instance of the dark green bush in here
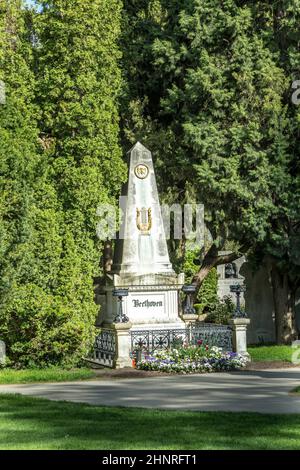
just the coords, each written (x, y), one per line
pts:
(208, 293)
(221, 311)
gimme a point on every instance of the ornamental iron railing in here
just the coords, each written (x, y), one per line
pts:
(145, 342)
(154, 340)
(105, 348)
(213, 335)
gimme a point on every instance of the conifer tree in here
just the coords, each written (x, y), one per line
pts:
(78, 83)
(18, 157)
(60, 159)
(29, 228)
(209, 83)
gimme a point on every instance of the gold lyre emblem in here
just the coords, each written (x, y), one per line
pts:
(144, 220)
(141, 171)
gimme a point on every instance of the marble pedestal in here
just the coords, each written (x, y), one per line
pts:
(239, 327)
(153, 301)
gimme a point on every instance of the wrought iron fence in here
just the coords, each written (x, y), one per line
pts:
(153, 340)
(213, 335)
(105, 348)
(147, 341)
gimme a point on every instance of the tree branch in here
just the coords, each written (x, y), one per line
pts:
(213, 259)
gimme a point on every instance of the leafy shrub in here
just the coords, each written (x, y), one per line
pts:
(198, 308)
(41, 330)
(221, 311)
(208, 293)
(189, 266)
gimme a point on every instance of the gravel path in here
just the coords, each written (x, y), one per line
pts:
(265, 391)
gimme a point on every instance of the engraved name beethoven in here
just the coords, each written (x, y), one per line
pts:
(146, 303)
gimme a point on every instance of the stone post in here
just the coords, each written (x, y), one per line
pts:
(189, 319)
(239, 326)
(122, 337)
(2, 353)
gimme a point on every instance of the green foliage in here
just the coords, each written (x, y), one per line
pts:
(210, 84)
(189, 267)
(221, 311)
(59, 159)
(215, 92)
(208, 293)
(43, 329)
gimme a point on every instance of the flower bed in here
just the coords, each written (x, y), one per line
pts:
(191, 359)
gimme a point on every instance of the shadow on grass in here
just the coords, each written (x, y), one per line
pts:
(32, 423)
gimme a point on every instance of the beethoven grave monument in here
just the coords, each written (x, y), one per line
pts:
(141, 265)
(139, 293)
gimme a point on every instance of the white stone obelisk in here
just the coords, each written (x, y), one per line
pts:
(143, 249)
(141, 260)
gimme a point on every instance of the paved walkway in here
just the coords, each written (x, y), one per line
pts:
(265, 391)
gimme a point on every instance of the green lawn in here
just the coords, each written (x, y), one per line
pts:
(271, 353)
(54, 374)
(33, 423)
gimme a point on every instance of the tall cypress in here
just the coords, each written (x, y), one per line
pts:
(18, 159)
(60, 158)
(29, 229)
(78, 84)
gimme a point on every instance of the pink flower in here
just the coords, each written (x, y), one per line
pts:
(199, 342)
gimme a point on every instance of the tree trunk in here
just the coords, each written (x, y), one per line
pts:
(284, 306)
(211, 260)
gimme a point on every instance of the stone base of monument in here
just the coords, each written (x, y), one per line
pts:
(153, 301)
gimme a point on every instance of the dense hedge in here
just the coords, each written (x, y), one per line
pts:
(59, 159)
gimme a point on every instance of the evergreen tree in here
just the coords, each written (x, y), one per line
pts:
(60, 159)
(210, 85)
(282, 244)
(18, 161)
(78, 82)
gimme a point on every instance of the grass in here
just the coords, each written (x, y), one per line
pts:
(297, 390)
(271, 353)
(34, 423)
(54, 374)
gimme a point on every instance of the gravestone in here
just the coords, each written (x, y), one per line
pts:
(141, 260)
(257, 300)
(2, 353)
(229, 274)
